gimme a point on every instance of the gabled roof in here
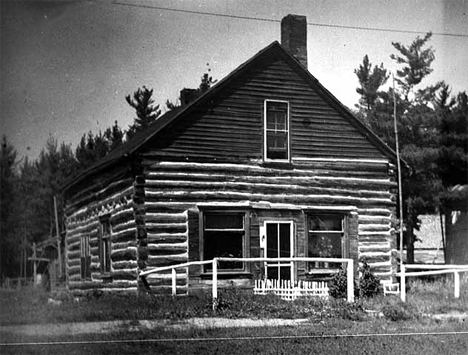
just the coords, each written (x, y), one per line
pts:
(133, 145)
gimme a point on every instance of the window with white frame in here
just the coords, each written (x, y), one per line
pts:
(327, 238)
(224, 236)
(276, 125)
(105, 246)
(85, 258)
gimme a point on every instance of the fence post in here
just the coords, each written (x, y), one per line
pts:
(174, 284)
(350, 280)
(456, 281)
(402, 283)
(292, 278)
(215, 282)
(35, 265)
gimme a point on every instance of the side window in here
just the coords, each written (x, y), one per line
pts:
(85, 258)
(326, 239)
(105, 246)
(224, 236)
(276, 145)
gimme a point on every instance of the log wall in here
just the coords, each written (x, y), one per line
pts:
(175, 193)
(83, 220)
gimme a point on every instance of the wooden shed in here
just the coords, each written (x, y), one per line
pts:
(266, 163)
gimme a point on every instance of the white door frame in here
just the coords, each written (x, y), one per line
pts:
(263, 244)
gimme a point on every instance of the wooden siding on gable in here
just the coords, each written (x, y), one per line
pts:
(231, 128)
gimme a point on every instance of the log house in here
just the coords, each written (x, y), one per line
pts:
(265, 163)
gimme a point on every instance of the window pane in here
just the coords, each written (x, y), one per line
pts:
(285, 241)
(277, 107)
(277, 145)
(276, 121)
(223, 244)
(106, 232)
(272, 240)
(325, 245)
(326, 223)
(224, 221)
(277, 140)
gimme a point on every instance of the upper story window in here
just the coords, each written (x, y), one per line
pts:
(276, 145)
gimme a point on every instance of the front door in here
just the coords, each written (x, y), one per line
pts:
(279, 244)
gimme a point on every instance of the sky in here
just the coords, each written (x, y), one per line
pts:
(66, 66)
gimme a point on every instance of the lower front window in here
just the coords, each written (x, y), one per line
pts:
(224, 236)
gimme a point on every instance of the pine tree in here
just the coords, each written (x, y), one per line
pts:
(147, 113)
(416, 63)
(453, 157)
(371, 79)
(92, 147)
(417, 127)
(9, 254)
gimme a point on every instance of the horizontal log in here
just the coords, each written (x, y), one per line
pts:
(166, 217)
(124, 215)
(155, 247)
(90, 226)
(125, 235)
(203, 196)
(124, 274)
(374, 219)
(374, 227)
(123, 245)
(309, 188)
(165, 261)
(307, 169)
(369, 212)
(166, 228)
(285, 176)
(155, 238)
(129, 253)
(168, 252)
(123, 226)
(124, 264)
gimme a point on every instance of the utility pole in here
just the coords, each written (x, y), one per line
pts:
(400, 194)
(59, 251)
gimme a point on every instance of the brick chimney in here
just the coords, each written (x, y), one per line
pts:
(294, 36)
(188, 95)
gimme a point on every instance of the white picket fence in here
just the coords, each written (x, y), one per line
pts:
(288, 290)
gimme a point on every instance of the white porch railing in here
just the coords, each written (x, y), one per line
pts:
(433, 270)
(349, 270)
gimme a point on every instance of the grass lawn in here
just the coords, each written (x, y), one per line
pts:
(335, 326)
(375, 336)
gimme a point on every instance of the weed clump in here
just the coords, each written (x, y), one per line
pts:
(397, 312)
(369, 285)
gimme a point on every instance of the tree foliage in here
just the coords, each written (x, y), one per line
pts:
(92, 147)
(8, 177)
(146, 112)
(370, 80)
(206, 83)
(431, 129)
(416, 63)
